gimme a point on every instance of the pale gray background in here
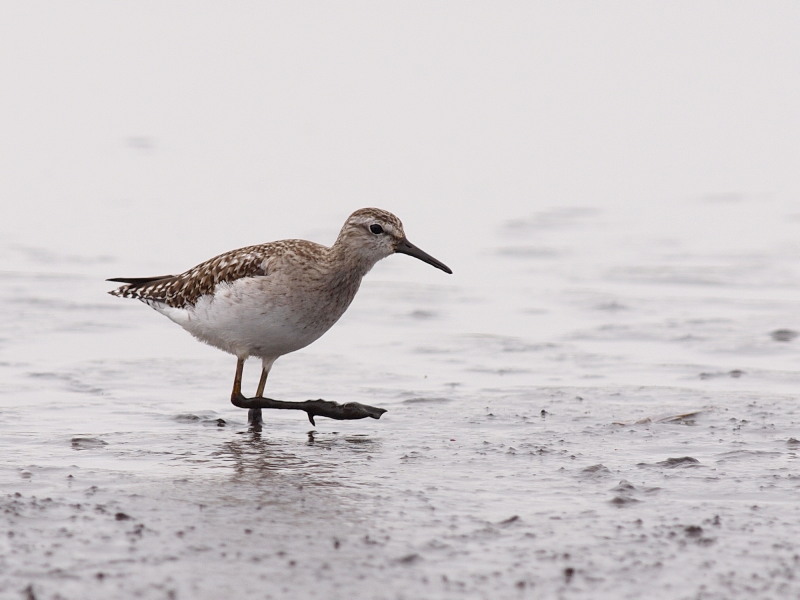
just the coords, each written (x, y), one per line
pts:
(615, 185)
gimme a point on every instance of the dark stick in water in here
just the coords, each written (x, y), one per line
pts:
(313, 408)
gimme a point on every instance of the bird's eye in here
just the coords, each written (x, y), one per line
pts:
(376, 229)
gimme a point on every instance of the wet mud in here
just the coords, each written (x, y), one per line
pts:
(616, 426)
(600, 403)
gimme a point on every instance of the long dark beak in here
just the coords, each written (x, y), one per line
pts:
(406, 247)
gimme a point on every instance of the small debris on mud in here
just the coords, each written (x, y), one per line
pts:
(694, 531)
(734, 373)
(686, 418)
(623, 486)
(683, 461)
(596, 471)
(86, 443)
(409, 559)
(624, 500)
(783, 335)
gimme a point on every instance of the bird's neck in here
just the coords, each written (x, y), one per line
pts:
(347, 262)
(342, 276)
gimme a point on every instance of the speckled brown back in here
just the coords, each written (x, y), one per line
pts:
(185, 289)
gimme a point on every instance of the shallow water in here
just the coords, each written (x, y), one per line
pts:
(600, 402)
(562, 423)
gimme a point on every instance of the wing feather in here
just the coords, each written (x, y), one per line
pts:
(185, 289)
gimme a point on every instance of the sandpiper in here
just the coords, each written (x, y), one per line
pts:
(270, 299)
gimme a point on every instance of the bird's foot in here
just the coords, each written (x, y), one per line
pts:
(313, 408)
(340, 412)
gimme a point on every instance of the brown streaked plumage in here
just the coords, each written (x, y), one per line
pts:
(183, 290)
(271, 299)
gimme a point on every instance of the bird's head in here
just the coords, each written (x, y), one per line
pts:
(373, 234)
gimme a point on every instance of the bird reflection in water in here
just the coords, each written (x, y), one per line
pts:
(266, 458)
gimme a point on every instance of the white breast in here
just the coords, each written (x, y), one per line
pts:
(261, 316)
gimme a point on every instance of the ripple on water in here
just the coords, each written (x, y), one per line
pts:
(427, 400)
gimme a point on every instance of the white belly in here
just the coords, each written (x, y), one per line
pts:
(258, 317)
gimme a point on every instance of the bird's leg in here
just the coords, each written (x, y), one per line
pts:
(254, 418)
(237, 379)
(323, 408)
(253, 414)
(262, 382)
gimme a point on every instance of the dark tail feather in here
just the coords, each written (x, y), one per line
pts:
(139, 281)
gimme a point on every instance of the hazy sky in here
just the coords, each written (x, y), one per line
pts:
(247, 121)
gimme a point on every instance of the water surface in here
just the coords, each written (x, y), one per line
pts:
(599, 404)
